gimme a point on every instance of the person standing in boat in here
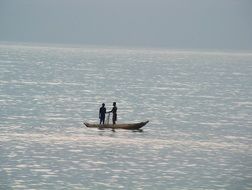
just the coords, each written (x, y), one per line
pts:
(102, 113)
(114, 111)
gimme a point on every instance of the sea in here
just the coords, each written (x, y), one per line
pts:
(198, 103)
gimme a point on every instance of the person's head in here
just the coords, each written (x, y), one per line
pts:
(103, 104)
(114, 103)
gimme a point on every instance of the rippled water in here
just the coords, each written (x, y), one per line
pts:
(199, 105)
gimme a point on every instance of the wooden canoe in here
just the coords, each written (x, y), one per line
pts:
(130, 126)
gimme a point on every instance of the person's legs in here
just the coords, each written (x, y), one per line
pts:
(102, 120)
(114, 120)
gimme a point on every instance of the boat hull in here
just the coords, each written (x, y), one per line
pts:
(130, 126)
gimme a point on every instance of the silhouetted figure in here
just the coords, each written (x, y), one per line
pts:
(102, 113)
(114, 111)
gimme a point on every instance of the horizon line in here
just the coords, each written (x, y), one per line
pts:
(114, 46)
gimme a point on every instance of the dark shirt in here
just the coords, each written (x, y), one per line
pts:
(114, 110)
(102, 112)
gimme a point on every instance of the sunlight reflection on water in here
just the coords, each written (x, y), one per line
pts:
(199, 107)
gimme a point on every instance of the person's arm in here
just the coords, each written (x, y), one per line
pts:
(109, 111)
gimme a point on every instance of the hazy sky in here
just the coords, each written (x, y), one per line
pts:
(208, 24)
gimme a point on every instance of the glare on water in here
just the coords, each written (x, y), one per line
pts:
(198, 103)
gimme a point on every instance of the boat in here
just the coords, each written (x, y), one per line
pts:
(129, 126)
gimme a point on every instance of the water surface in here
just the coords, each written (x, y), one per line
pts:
(198, 103)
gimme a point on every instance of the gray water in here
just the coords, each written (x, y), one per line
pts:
(199, 105)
